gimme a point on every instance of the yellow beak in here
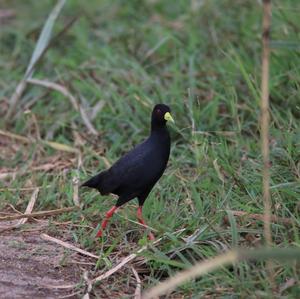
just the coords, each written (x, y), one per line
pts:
(168, 117)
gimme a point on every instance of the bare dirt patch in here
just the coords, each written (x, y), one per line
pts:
(32, 268)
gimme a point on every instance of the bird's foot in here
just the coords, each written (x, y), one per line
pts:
(99, 233)
(109, 214)
(151, 237)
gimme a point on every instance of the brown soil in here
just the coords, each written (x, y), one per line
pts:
(31, 268)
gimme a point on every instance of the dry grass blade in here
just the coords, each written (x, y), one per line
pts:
(96, 109)
(30, 205)
(66, 286)
(125, 261)
(6, 175)
(15, 98)
(39, 214)
(41, 45)
(44, 167)
(63, 90)
(89, 285)
(72, 295)
(75, 182)
(69, 246)
(61, 147)
(22, 189)
(54, 145)
(87, 121)
(57, 87)
(23, 219)
(15, 136)
(137, 293)
(218, 171)
(265, 118)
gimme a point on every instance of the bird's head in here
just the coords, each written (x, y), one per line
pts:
(160, 115)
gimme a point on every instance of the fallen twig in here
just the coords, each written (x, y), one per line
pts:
(39, 214)
(67, 245)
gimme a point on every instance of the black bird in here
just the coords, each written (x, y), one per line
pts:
(135, 174)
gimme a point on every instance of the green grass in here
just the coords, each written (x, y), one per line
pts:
(205, 63)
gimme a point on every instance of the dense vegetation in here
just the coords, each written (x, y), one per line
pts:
(203, 58)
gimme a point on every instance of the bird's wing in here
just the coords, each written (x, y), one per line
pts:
(134, 168)
(132, 162)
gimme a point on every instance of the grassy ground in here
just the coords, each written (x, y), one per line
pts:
(203, 58)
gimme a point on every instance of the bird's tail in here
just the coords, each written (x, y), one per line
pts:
(96, 182)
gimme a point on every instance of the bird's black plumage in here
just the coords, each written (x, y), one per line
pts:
(135, 174)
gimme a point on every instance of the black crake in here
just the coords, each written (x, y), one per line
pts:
(135, 174)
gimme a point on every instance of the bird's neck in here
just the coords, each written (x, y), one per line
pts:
(156, 128)
(160, 131)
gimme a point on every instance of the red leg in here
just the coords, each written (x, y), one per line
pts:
(108, 215)
(141, 221)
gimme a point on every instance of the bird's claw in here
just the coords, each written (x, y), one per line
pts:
(99, 234)
(151, 237)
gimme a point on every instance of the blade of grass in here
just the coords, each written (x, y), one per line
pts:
(235, 235)
(41, 45)
(44, 37)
